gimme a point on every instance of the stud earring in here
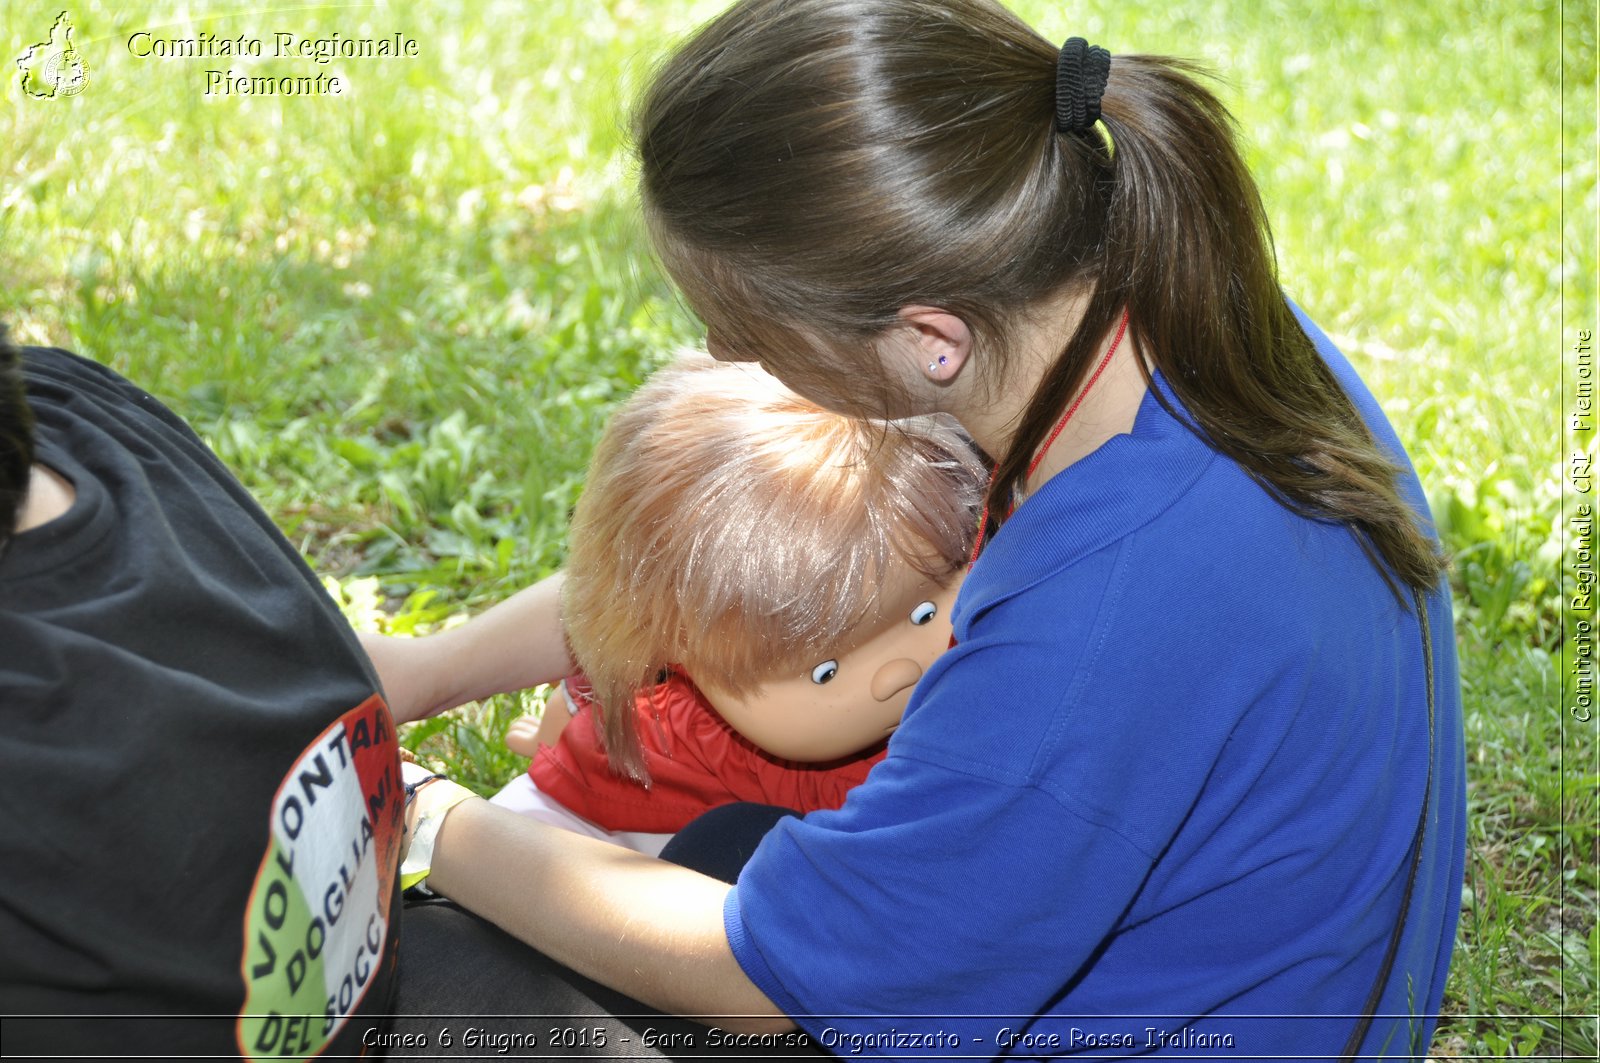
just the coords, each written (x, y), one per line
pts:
(934, 367)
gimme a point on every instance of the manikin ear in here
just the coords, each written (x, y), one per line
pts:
(936, 342)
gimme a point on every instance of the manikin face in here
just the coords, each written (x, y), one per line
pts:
(851, 697)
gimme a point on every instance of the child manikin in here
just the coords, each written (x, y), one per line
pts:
(753, 589)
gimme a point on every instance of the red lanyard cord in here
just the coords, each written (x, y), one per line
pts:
(1038, 457)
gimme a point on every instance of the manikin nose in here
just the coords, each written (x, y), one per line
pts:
(895, 677)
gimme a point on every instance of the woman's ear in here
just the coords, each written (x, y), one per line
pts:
(935, 342)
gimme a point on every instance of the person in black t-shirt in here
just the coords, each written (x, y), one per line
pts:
(201, 808)
(201, 811)
(17, 470)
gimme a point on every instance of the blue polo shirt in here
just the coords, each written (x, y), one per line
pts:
(1159, 798)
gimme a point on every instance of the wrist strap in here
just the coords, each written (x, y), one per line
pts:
(411, 788)
(418, 863)
(1352, 1047)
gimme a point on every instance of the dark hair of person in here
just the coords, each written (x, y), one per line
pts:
(16, 438)
(809, 167)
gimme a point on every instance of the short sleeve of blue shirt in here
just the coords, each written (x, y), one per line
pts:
(1168, 779)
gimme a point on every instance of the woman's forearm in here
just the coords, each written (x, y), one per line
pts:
(515, 645)
(645, 927)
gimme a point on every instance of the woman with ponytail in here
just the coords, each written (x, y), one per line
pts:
(1190, 778)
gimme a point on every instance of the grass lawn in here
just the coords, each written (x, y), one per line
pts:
(402, 313)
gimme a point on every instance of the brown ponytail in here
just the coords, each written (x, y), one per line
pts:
(1188, 249)
(811, 166)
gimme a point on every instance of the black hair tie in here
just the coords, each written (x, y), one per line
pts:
(1081, 74)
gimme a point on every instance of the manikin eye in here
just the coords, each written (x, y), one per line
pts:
(923, 613)
(824, 672)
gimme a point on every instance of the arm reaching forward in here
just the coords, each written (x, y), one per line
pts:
(513, 646)
(647, 928)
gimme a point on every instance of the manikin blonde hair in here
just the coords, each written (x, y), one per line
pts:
(735, 530)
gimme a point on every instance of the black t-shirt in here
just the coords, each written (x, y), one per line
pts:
(200, 809)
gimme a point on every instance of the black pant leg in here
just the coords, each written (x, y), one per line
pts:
(722, 841)
(464, 980)
(468, 989)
